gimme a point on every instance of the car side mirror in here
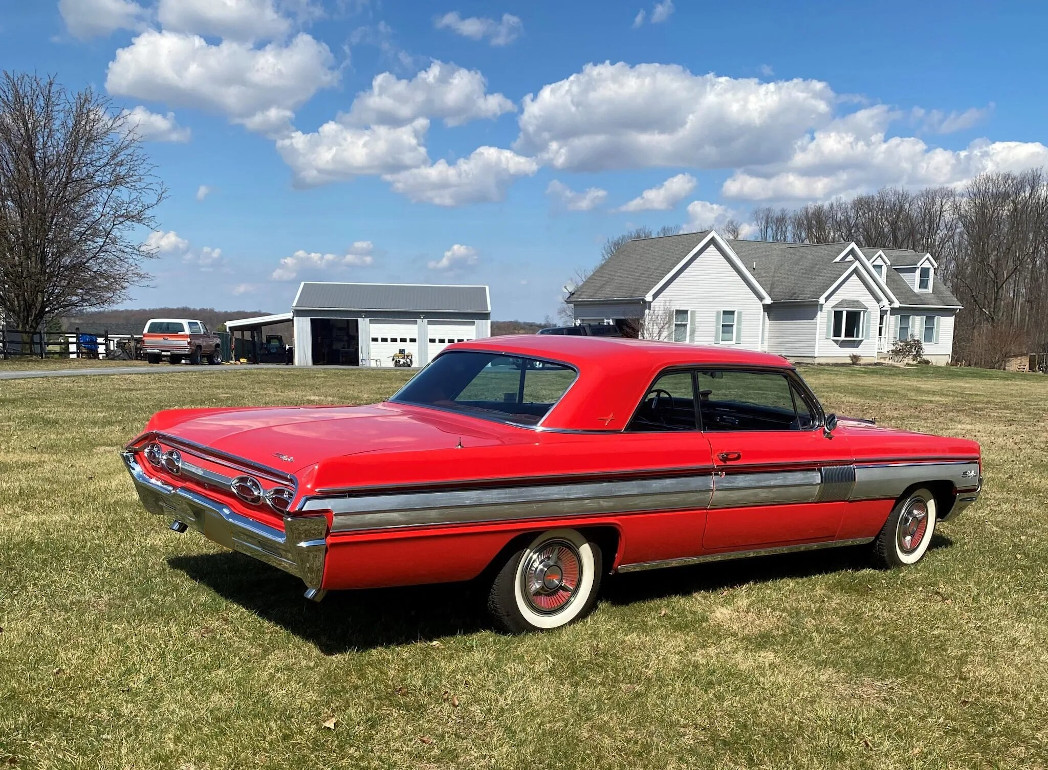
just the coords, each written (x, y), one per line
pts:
(829, 424)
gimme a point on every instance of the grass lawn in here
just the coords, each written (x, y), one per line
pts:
(30, 363)
(124, 645)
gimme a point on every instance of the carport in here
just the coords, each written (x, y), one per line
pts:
(252, 335)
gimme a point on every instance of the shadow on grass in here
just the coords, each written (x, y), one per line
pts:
(345, 620)
(721, 575)
(357, 620)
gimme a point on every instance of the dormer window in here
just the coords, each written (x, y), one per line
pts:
(924, 279)
(880, 268)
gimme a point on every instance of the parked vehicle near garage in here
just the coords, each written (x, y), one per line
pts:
(585, 330)
(178, 339)
(544, 463)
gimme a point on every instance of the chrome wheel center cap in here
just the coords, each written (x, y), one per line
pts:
(551, 577)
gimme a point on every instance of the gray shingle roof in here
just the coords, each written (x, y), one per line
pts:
(392, 296)
(787, 271)
(637, 267)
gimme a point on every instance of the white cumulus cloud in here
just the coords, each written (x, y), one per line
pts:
(160, 242)
(660, 12)
(153, 127)
(337, 152)
(243, 20)
(622, 116)
(442, 90)
(939, 122)
(569, 199)
(456, 257)
(207, 259)
(86, 19)
(359, 254)
(202, 192)
(498, 33)
(702, 215)
(854, 154)
(232, 77)
(665, 196)
(484, 176)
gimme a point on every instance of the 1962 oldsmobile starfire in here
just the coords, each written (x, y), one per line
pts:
(545, 463)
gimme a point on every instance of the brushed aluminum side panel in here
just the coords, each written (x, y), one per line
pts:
(889, 480)
(743, 490)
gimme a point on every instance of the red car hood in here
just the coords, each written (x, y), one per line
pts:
(310, 434)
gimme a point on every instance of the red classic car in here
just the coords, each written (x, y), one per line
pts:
(543, 463)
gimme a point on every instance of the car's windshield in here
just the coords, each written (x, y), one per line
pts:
(492, 385)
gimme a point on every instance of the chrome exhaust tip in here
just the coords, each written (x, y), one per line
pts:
(315, 594)
(179, 526)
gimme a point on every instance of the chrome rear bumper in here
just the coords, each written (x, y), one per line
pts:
(300, 549)
(964, 499)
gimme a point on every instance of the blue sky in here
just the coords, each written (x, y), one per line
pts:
(503, 143)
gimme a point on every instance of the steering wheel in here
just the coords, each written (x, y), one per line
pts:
(660, 400)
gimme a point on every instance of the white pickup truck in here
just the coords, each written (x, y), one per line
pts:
(179, 338)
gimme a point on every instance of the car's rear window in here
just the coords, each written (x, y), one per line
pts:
(491, 385)
(165, 327)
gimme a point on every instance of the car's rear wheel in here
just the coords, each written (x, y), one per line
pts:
(548, 583)
(215, 357)
(175, 359)
(153, 358)
(908, 531)
(194, 357)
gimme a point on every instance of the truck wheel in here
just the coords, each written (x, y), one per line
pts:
(215, 357)
(153, 358)
(547, 584)
(175, 359)
(194, 357)
(908, 531)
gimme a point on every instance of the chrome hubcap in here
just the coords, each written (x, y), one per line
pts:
(550, 576)
(913, 524)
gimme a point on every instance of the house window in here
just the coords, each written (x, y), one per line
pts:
(929, 328)
(904, 327)
(924, 280)
(727, 326)
(680, 325)
(847, 324)
(880, 269)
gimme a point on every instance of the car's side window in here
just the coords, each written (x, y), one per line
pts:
(736, 399)
(194, 327)
(668, 405)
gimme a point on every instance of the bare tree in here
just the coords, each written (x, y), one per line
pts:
(657, 322)
(74, 187)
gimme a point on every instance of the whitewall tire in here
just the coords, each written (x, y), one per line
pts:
(908, 530)
(548, 583)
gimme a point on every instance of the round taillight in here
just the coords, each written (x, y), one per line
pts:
(154, 454)
(247, 489)
(280, 498)
(172, 461)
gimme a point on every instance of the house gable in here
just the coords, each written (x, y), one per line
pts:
(727, 253)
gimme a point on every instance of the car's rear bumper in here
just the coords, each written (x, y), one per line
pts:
(178, 350)
(300, 549)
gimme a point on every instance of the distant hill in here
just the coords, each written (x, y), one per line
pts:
(499, 328)
(133, 321)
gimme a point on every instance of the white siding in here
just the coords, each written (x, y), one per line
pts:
(852, 289)
(908, 274)
(303, 341)
(918, 316)
(706, 286)
(792, 330)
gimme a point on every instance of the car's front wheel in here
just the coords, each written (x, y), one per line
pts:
(548, 583)
(908, 531)
(215, 358)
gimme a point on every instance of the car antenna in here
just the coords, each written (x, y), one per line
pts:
(459, 443)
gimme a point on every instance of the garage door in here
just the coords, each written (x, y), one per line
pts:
(389, 338)
(443, 333)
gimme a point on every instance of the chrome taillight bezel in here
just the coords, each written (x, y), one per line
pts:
(248, 488)
(154, 453)
(172, 462)
(280, 499)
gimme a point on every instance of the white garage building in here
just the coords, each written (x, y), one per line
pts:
(367, 324)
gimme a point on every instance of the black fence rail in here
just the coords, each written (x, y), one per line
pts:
(19, 343)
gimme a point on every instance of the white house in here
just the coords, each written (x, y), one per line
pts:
(808, 302)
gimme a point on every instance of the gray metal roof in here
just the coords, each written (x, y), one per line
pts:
(411, 297)
(789, 272)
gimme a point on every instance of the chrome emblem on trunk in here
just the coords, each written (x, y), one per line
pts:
(284, 457)
(247, 489)
(172, 461)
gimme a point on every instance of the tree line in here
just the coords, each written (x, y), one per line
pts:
(989, 238)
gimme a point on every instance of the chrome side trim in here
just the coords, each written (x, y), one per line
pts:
(730, 555)
(744, 489)
(886, 481)
(300, 549)
(515, 503)
(837, 483)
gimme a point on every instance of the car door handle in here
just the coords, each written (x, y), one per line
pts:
(727, 457)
